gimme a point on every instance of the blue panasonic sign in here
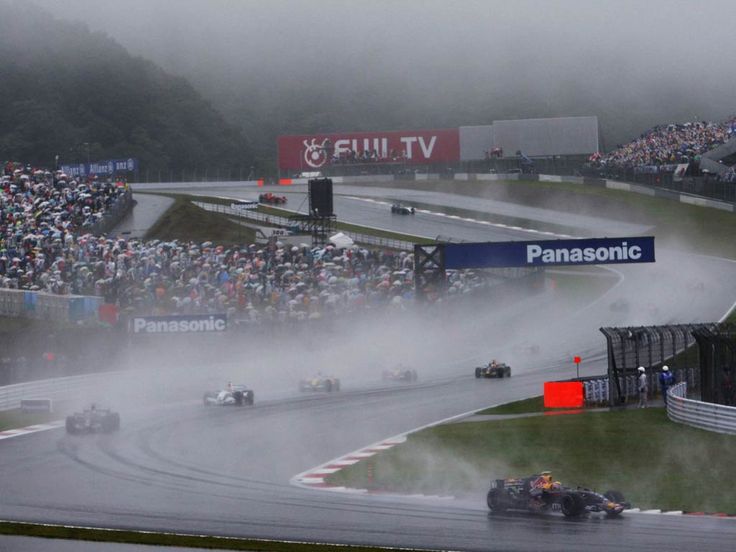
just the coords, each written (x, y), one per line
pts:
(550, 252)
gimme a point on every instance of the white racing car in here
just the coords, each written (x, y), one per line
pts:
(232, 395)
(400, 373)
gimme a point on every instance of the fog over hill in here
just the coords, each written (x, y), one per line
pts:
(285, 66)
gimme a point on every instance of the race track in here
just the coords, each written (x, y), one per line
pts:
(177, 466)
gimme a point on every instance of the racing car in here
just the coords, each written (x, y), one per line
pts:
(399, 209)
(400, 373)
(320, 383)
(493, 370)
(233, 395)
(539, 494)
(93, 420)
(272, 198)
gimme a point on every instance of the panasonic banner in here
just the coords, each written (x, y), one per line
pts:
(550, 253)
(179, 324)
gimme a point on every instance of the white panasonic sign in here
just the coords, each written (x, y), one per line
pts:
(544, 254)
(179, 324)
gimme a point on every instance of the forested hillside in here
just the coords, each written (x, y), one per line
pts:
(67, 91)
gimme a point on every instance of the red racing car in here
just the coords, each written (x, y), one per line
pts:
(272, 199)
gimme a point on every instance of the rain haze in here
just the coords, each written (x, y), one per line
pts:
(180, 463)
(278, 67)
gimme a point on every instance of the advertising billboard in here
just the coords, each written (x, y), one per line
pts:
(309, 152)
(550, 252)
(103, 168)
(178, 324)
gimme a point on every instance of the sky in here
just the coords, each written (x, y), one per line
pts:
(632, 63)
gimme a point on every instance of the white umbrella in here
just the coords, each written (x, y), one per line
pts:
(341, 240)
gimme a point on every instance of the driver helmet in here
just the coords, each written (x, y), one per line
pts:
(545, 479)
(665, 368)
(641, 369)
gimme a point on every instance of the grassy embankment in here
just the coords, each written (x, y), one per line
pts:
(14, 419)
(654, 462)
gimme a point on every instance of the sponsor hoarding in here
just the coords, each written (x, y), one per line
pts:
(309, 152)
(102, 168)
(550, 252)
(178, 324)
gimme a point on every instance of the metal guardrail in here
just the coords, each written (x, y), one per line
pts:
(285, 222)
(703, 415)
(56, 388)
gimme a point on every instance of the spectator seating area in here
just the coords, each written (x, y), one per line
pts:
(44, 247)
(668, 145)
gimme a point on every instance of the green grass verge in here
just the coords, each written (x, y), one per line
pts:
(187, 222)
(534, 404)
(169, 539)
(15, 419)
(654, 462)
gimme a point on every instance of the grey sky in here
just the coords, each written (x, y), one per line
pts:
(561, 57)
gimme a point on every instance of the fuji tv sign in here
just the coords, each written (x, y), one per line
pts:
(412, 147)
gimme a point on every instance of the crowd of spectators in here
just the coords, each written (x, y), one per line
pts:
(44, 246)
(41, 212)
(668, 145)
(728, 176)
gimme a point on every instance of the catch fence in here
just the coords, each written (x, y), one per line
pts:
(651, 347)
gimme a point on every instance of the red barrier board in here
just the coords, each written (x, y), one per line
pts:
(563, 394)
(309, 152)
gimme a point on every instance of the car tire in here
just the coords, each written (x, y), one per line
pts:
(571, 505)
(328, 386)
(250, 398)
(477, 372)
(494, 499)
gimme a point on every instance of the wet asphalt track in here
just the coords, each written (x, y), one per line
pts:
(179, 467)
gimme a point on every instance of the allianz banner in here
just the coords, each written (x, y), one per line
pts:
(550, 252)
(178, 324)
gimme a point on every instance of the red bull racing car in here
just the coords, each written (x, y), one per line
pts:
(493, 370)
(539, 494)
(93, 420)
